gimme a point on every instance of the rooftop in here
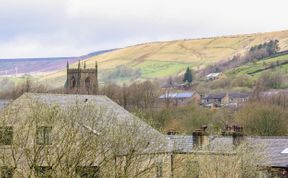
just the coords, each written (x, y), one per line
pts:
(276, 148)
(113, 115)
(182, 95)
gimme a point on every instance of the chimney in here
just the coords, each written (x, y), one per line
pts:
(200, 137)
(236, 132)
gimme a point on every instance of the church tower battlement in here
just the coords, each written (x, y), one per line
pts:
(82, 80)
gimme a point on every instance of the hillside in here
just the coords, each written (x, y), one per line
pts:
(255, 69)
(162, 59)
(39, 65)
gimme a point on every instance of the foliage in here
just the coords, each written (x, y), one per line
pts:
(258, 52)
(188, 76)
(263, 119)
(134, 96)
(12, 90)
(272, 80)
(122, 71)
(264, 50)
(185, 119)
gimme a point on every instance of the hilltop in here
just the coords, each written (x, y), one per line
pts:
(20, 66)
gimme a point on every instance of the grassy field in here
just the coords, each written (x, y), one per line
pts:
(163, 59)
(253, 67)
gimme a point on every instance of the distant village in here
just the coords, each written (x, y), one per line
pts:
(82, 134)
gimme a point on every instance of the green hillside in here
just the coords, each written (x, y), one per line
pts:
(255, 69)
(163, 59)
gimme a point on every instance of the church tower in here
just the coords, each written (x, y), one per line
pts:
(82, 80)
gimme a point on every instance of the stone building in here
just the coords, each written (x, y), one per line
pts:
(82, 80)
(87, 136)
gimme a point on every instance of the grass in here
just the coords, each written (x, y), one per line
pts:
(254, 66)
(150, 69)
(163, 59)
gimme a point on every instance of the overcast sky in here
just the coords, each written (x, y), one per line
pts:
(43, 28)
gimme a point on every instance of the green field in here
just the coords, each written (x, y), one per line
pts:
(253, 67)
(150, 69)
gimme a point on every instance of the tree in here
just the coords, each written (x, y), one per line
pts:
(188, 76)
(263, 119)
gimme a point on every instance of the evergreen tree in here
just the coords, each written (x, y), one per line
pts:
(188, 76)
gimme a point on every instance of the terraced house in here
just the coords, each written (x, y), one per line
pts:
(224, 99)
(55, 135)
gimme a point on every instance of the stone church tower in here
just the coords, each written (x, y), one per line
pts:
(82, 80)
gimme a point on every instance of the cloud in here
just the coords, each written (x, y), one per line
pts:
(33, 28)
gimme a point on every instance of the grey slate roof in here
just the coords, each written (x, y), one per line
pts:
(182, 143)
(273, 146)
(270, 146)
(182, 95)
(4, 102)
(215, 96)
(117, 114)
(238, 95)
(222, 95)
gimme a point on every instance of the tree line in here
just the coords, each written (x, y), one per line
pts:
(257, 52)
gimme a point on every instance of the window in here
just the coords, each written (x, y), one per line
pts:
(87, 172)
(73, 82)
(6, 135)
(44, 135)
(87, 83)
(43, 171)
(7, 172)
(159, 169)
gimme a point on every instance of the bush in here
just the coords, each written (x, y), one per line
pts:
(263, 119)
(271, 80)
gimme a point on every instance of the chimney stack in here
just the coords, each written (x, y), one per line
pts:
(200, 137)
(236, 132)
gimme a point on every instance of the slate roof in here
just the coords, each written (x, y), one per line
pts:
(182, 95)
(222, 95)
(270, 146)
(117, 114)
(273, 146)
(215, 96)
(182, 143)
(4, 102)
(238, 95)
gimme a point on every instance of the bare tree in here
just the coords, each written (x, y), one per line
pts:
(80, 139)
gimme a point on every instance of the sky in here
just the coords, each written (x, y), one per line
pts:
(50, 28)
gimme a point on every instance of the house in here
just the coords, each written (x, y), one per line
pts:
(215, 100)
(235, 99)
(270, 154)
(213, 76)
(86, 136)
(60, 135)
(179, 98)
(224, 99)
